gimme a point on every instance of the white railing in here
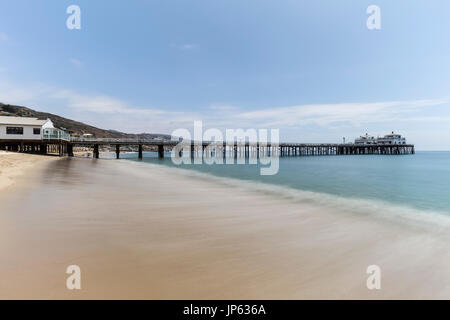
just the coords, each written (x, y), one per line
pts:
(55, 134)
(173, 142)
(117, 140)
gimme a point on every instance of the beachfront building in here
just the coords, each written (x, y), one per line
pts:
(21, 128)
(389, 139)
(29, 129)
(33, 135)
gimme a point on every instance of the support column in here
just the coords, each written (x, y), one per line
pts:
(43, 148)
(117, 151)
(161, 151)
(70, 150)
(96, 151)
(140, 151)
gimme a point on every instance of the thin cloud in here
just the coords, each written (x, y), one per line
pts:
(29, 95)
(100, 110)
(185, 46)
(329, 114)
(106, 111)
(101, 104)
(77, 63)
(219, 107)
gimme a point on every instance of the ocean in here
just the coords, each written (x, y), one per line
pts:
(420, 181)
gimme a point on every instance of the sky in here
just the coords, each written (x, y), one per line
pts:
(311, 69)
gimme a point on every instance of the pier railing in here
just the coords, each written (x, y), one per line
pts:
(56, 135)
(117, 140)
(172, 142)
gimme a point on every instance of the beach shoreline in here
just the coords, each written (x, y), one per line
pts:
(142, 231)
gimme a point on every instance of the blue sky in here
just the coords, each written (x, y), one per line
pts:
(310, 68)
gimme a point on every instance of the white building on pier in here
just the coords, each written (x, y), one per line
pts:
(392, 138)
(366, 140)
(389, 139)
(29, 129)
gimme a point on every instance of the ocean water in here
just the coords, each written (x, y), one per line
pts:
(420, 181)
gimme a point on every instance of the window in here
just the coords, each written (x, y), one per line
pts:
(14, 130)
(36, 130)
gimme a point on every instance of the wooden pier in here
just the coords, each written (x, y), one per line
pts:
(241, 149)
(65, 148)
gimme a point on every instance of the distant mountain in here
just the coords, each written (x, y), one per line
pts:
(71, 126)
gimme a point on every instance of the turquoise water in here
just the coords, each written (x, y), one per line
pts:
(420, 181)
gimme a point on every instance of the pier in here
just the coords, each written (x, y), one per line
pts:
(66, 148)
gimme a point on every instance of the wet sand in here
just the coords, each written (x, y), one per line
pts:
(142, 231)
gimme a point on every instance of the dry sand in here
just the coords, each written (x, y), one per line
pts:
(148, 232)
(12, 165)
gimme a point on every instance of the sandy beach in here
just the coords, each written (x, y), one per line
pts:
(142, 231)
(13, 165)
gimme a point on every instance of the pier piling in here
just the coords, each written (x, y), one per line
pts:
(96, 151)
(161, 151)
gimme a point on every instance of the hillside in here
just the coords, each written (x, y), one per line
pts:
(71, 126)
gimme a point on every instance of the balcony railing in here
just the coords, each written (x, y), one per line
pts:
(55, 134)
